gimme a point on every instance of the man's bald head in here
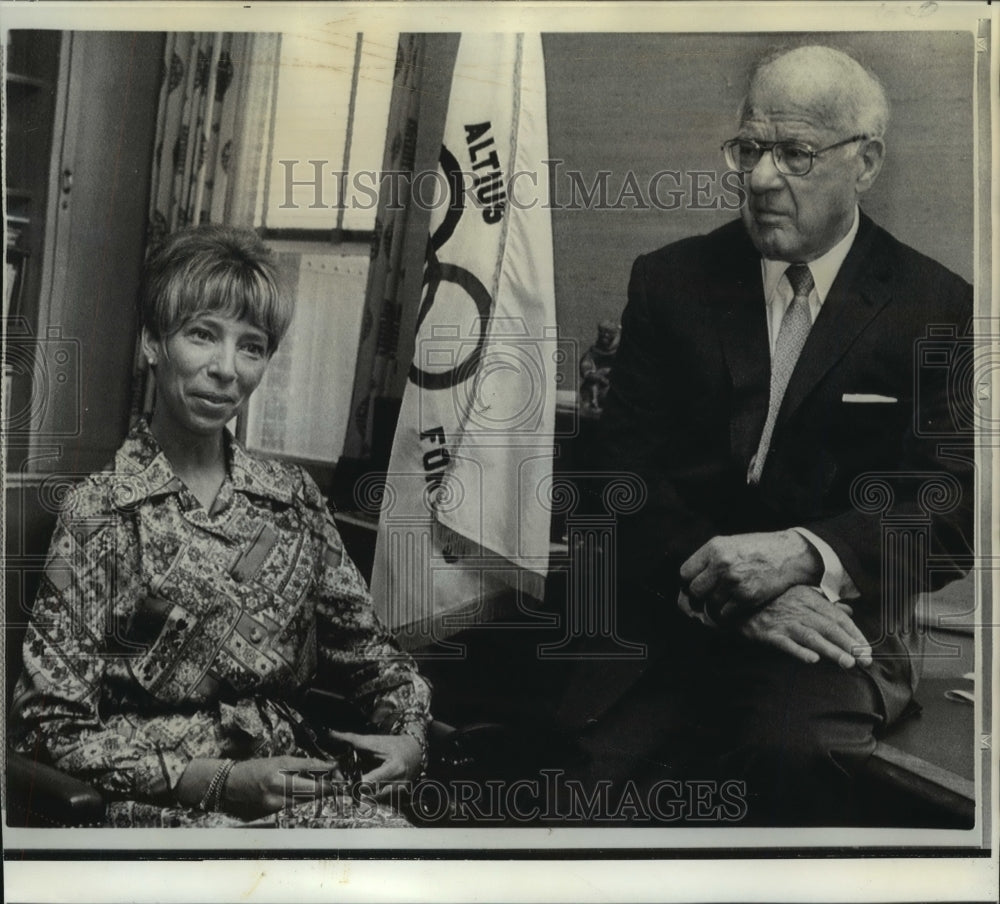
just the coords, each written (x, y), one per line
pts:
(835, 85)
(822, 106)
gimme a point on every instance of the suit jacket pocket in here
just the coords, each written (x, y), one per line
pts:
(870, 434)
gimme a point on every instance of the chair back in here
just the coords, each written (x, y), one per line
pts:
(30, 518)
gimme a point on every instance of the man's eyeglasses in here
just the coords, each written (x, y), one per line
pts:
(791, 158)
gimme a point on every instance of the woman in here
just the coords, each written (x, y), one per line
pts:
(194, 591)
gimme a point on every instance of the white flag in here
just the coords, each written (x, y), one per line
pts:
(465, 516)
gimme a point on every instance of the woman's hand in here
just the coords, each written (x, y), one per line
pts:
(397, 757)
(261, 786)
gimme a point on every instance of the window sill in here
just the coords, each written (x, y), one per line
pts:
(326, 249)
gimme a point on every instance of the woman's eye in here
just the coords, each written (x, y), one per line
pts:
(255, 349)
(198, 332)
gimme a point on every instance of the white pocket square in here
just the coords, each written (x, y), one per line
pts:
(868, 397)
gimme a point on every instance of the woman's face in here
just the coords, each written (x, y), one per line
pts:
(206, 371)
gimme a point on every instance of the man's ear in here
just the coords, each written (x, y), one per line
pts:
(872, 154)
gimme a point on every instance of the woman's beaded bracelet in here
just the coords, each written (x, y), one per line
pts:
(213, 795)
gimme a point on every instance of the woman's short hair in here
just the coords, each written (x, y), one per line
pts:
(217, 269)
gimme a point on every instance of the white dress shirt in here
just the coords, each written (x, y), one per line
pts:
(836, 583)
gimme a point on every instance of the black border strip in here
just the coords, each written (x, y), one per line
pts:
(590, 853)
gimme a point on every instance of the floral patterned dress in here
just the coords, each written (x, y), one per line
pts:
(163, 632)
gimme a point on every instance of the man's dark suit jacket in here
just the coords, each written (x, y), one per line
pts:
(689, 397)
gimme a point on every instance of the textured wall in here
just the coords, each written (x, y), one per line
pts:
(650, 102)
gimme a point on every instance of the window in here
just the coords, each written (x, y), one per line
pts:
(330, 118)
(329, 129)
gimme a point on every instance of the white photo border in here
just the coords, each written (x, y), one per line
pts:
(561, 864)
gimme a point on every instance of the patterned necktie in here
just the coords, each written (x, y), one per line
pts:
(791, 337)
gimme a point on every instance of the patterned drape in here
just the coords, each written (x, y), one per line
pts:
(213, 128)
(215, 98)
(399, 246)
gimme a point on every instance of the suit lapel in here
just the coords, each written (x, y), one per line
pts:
(737, 296)
(859, 292)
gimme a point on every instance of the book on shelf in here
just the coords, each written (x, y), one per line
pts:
(15, 229)
(10, 275)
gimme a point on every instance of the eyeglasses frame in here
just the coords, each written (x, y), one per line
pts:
(769, 146)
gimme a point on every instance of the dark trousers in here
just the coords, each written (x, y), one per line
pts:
(726, 731)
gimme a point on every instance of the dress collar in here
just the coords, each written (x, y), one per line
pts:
(143, 471)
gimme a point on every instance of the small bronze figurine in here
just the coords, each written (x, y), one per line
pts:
(596, 365)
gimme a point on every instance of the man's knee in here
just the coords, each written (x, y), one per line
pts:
(810, 746)
(805, 720)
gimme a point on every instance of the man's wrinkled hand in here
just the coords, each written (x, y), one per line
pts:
(747, 570)
(805, 624)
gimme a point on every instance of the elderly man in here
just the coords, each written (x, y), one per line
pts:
(763, 370)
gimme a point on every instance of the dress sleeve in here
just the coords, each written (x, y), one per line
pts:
(357, 654)
(66, 704)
